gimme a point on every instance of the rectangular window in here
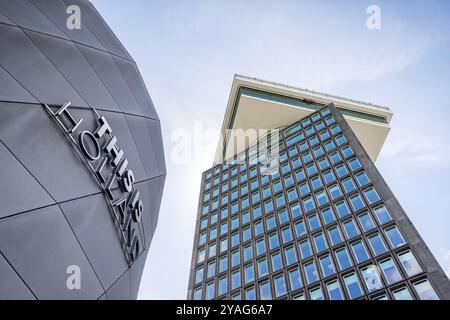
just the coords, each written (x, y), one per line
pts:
(259, 228)
(327, 266)
(371, 278)
(264, 291)
(390, 271)
(280, 286)
(198, 294)
(300, 229)
(343, 259)
(377, 244)
(356, 202)
(342, 209)
(248, 252)
(235, 239)
(360, 252)
(347, 151)
(260, 246)
(273, 241)
(382, 215)
(352, 285)
(366, 221)
(395, 238)
(354, 164)
(425, 291)
(335, 191)
(295, 279)
(409, 263)
(292, 195)
(199, 275)
(286, 234)
(270, 222)
(402, 294)
(249, 273)
(277, 263)
(211, 269)
(329, 177)
(323, 164)
(296, 211)
(263, 268)
(210, 291)
(290, 255)
(304, 189)
(246, 234)
(235, 279)
(201, 255)
(335, 235)
(223, 264)
(327, 215)
(283, 216)
(320, 242)
(268, 206)
(341, 170)
(311, 272)
(212, 250)
(311, 169)
(314, 222)
(371, 195)
(362, 178)
(305, 249)
(351, 229)
(349, 185)
(335, 157)
(334, 290)
(321, 198)
(316, 294)
(223, 285)
(235, 258)
(316, 183)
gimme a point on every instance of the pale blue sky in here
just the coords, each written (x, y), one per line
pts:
(188, 52)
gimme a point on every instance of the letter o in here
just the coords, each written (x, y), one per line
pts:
(81, 142)
(137, 211)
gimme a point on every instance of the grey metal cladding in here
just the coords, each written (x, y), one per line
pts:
(120, 289)
(151, 194)
(40, 245)
(17, 289)
(17, 181)
(44, 151)
(55, 11)
(69, 61)
(5, 19)
(137, 87)
(53, 212)
(26, 15)
(105, 67)
(11, 90)
(28, 65)
(90, 219)
(98, 27)
(144, 145)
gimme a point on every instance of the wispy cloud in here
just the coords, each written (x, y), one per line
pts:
(426, 150)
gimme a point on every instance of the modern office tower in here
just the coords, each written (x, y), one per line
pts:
(80, 183)
(324, 225)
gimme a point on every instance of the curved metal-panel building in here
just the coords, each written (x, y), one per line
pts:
(80, 184)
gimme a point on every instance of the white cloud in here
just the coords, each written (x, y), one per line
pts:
(418, 150)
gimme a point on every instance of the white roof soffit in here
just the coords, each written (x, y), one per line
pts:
(258, 104)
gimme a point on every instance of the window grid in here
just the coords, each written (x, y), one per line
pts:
(247, 182)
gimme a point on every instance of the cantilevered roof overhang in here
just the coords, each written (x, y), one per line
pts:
(258, 104)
